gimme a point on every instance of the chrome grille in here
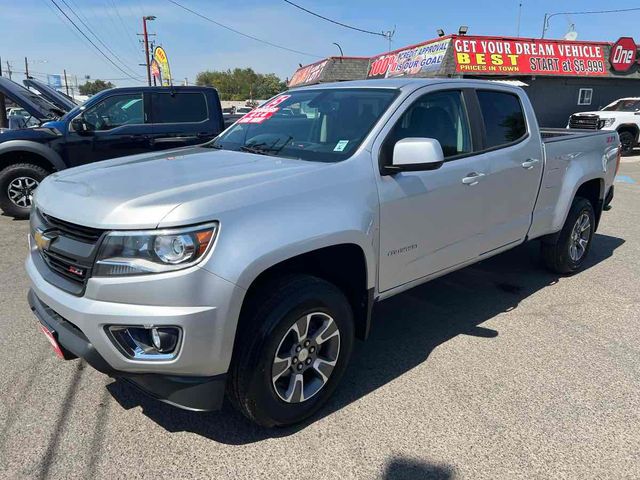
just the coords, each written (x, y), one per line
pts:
(588, 122)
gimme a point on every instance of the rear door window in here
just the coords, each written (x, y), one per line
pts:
(504, 119)
(178, 108)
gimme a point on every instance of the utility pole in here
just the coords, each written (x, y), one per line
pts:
(3, 111)
(66, 85)
(9, 69)
(26, 68)
(146, 45)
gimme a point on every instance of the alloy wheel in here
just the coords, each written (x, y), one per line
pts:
(580, 237)
(305, 357)
(20, 191)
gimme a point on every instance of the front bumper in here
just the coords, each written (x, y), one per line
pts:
(205, 306)
(190, 393)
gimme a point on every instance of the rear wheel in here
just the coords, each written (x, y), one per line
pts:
(291, 351)
(627, 140)
(570, 249)
(18, 182)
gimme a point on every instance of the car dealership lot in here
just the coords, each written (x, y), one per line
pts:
(501, 370)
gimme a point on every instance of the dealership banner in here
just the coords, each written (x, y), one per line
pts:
(308, 74)
(423, 58)
(528, 57)
(161, 59)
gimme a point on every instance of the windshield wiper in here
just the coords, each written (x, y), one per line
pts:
(262, 148)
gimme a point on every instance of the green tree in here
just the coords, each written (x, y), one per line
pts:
(91, 88)
(241, 83)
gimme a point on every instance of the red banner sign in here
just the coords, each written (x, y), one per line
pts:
(529, 57)
(308, 74)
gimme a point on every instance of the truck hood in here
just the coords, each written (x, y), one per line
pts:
(58, 99)
(139, 191)
(32, 103)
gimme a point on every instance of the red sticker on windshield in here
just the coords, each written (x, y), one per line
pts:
(264, 112)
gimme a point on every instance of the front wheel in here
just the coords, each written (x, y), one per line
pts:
(18, 182)
(627, 140)
(568, 252)
(292, 348)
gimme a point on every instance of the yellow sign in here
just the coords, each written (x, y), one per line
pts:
(160, 56)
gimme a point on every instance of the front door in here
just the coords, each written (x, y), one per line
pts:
(431, 220)
(114, 127)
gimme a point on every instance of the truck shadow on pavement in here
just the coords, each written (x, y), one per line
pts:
(405, 330)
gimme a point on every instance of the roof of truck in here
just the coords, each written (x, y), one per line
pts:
(403, 82)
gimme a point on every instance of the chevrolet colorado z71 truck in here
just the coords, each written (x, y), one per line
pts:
(621, 116)
(113, 123)
(250, 264)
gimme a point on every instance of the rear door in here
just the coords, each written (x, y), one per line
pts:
(432, 220)
(513, 147)
(179, 119)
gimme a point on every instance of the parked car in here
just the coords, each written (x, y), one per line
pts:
(243, 110)
(622, 116)
(113, 123)
(251, 263)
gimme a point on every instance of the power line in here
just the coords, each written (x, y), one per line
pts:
(547, 16)
(380, 34)
(91, 42)
(241, 33)
(131, 70)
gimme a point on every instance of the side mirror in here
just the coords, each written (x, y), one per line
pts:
(415, 154)
(80, 126)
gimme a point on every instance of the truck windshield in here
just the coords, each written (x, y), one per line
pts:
(317, 125)
(623, 106)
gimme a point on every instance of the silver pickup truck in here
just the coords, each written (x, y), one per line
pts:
(248, 265)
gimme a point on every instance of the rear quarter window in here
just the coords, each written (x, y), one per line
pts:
(178, 108)
(504, 119)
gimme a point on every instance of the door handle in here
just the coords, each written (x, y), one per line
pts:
(472, 178)
(529, 164)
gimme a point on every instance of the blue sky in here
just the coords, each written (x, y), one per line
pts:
(34, 28)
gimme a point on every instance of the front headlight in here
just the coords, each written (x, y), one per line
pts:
(153, 251)
(606, 122)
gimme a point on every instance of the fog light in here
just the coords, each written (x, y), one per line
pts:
(164, 339)
(146, 343)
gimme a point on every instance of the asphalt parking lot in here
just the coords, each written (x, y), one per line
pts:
(501, 370)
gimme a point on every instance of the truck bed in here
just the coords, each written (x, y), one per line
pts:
(571, 157)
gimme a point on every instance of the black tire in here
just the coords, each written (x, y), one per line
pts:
(627, 140)
(264, 323)
(557, 255)
(10, 174)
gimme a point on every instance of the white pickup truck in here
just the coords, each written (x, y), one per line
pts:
(248, 265)
(621, 116)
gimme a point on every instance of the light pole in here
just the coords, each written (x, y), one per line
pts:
(146, 44)
(339, 48)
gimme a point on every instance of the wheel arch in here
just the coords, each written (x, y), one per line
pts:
(19, 151)
(342, 264)
(629, 127)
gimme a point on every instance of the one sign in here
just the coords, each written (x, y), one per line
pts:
(309, 74)
(54, 81)
(623, 54)
(160, 56)
(482, 55)
(424, 58)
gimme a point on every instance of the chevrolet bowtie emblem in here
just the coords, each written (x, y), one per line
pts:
(42, 240)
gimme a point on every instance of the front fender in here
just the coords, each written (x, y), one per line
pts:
(33, 147)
